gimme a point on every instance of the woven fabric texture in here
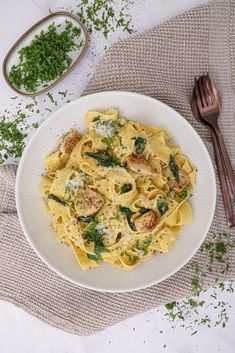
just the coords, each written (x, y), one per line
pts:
(160, 63)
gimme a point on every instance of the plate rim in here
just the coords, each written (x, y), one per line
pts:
(18, 201)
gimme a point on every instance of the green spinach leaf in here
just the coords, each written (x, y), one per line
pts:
(96, 257)
(126, 188)
(96, 237)
(86, 219)
(140, 143)
(96, 118)
(128, 213)
(104, 158)
(174, 168)
(162, 206)
(62, 202)
(143, 210)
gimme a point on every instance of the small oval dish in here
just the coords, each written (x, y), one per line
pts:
(59, 22)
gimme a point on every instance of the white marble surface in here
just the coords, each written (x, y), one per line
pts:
(150, 331)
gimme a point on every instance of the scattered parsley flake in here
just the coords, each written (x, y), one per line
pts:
(64, 93)
(100, 15)
(12, 139)
(51, 98)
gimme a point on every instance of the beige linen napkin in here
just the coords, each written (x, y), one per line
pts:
(160, 63)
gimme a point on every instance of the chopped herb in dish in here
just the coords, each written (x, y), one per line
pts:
(143, 247)
(46, 58)
(108, 141)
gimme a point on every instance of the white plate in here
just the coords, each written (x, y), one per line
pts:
(35, 222)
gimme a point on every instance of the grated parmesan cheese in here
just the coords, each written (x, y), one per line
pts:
(141, 252)
(106, 233)
(77, 182)
(105, 128)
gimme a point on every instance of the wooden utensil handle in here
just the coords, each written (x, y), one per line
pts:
(226, 159)
(224, 187)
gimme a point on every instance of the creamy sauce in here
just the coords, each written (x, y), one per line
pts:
(127, 239)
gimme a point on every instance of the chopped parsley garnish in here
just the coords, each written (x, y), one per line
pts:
(194, 308)
(162, 205)
(174, 168)
(170, 306)
(50, 96)
(108, 141)
(218, 250)
(144, 245)
(12, 138)
(196, 286)
(185, 194)
(104, 158)
(29, 106)
(126, 188)
(45, 58)
(95, 236)
(128, 213)
(147, 241)
(63, 93)
(100, 15)
(140, 143)
(132, 259)
(169, 195)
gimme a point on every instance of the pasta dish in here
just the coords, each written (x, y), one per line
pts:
(119, 193)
